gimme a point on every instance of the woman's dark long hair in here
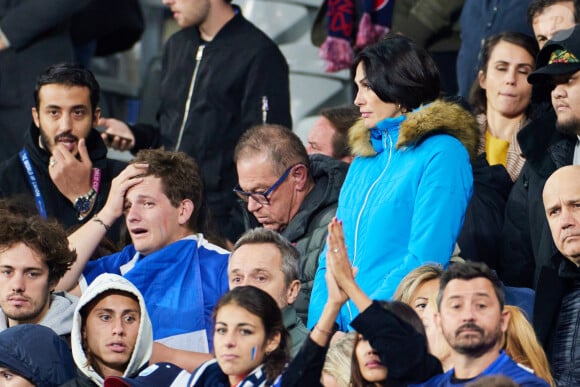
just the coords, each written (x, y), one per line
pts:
(261, 304)
(405, 313)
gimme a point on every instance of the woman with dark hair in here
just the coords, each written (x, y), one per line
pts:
(366, 366)
(500, 98)
(250, 341)
(251, 345)
(405, 193)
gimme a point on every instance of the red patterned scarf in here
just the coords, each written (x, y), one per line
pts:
(337, 49)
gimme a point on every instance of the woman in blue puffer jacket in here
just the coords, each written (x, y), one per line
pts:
(404, 198)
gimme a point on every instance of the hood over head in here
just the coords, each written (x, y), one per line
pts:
(36, 353)
(144, 344)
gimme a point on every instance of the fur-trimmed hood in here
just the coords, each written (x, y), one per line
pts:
(434, 118)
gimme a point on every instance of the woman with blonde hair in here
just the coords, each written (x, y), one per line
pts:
(522, 345)
(417, 287)
(336, 370)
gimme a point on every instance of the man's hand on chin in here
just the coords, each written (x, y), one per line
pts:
(71, 175)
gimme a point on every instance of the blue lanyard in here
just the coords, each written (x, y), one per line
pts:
(33, 182)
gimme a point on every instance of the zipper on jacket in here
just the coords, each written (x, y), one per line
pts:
(198, 57)
(358, 219)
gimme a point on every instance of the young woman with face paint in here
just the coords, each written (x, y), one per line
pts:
(251, 343)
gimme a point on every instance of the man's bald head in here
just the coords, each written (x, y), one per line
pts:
(562, 205)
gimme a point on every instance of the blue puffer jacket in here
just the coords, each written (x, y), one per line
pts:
(404, 206)
(36, 353)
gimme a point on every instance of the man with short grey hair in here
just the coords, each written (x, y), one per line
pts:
(289, 192)
(264, 259)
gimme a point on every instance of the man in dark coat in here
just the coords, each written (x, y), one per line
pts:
(36, 354)
(527, 242)
(63, 164)
(557, 305)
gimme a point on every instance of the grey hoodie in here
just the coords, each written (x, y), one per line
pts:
(144, 344)
(59, 316)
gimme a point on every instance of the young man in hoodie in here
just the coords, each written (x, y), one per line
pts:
(34, 255)
(112, 333)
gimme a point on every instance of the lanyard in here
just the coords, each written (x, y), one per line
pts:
(33, 182)
(95, 181)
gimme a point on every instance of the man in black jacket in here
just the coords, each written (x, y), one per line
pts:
(220, 76)
(557, 303)
(63, 164)
(528, 243)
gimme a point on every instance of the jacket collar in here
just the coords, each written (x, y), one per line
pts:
(435, 118)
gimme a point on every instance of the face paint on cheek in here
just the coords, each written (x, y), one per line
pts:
(254, 350)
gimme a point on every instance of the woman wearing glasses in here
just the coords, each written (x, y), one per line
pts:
(405, 194)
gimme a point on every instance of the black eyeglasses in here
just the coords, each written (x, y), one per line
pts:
(262, 197)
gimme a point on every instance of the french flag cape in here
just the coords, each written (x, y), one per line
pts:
(181, 283)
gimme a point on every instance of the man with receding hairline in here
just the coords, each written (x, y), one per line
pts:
(289, 192)
(557, 303)
(264, 259)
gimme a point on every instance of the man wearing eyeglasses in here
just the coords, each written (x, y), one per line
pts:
(288, 192)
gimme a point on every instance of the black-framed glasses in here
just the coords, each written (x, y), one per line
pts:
(262, 197)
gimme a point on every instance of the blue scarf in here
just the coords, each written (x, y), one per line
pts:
(210, 374)
(379, 133)
(170, 282)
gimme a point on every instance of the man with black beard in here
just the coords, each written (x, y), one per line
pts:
(63, 165)
(527, 241)
(473, 320)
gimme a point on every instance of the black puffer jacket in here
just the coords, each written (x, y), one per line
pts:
(558, 279)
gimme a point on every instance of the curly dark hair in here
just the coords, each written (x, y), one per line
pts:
(45, 237)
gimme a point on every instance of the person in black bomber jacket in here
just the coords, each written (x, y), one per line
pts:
(220, 76)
